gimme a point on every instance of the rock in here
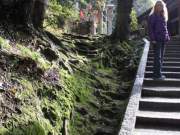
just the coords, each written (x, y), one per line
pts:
(94, 104)
(77, 98)
(66, 66)
(50, 115)
(52, 76)
(74, 61)
(4, 86)
(109, 122)
(97, 92)
(9, 105)
(104, 131)
(107, 113)
(28, 66)
(1, 86)
(105, 98)
(93, 118)
(50, 54)
(114, 96)
(82, 111)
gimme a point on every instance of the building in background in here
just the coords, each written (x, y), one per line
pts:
(107, 20)
(110, 7)
(102, 21)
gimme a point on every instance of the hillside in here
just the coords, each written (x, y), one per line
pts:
(52, 85)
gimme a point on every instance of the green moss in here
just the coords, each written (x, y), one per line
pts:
(28, 90)
(4, 44)
(36, 56)
(3, 131)
(78, 84)
(81, 126)
(45, 111)
(25, 52)
(32, 129)
(31, 121)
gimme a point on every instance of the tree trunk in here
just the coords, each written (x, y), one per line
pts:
(24, 12)
(122, 28)
(39, 11)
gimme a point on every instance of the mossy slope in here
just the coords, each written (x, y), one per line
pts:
(87, 85)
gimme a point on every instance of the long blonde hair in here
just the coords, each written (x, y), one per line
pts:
(165, 11)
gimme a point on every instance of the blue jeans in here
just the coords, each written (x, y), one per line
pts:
(158, 48)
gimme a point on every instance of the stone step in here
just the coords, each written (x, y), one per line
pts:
(170, 82)
(153, 131)
(166, 63)
(158, 118)
(149, 74)
(166, 59)
(172, 49)
(159, 104)
(165, 68)
(157, 123)
(166, 51)
(166, 92)
(169, 48)
(173, 43)
(176, 38)
(177, 55)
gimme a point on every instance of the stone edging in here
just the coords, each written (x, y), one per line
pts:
(129, 120)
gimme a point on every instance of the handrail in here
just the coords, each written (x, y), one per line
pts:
(129, 120)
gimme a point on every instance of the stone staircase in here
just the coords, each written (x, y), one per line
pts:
(159, 104)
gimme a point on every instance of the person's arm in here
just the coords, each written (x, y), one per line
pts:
(151, 27)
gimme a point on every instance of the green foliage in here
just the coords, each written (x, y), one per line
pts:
(84, 2)
(134, 21)
(58, 14)
(4, 43)
(3, 131)
(99, 4)
(33, 128)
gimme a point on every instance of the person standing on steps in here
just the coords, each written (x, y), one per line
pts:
(159, 35)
